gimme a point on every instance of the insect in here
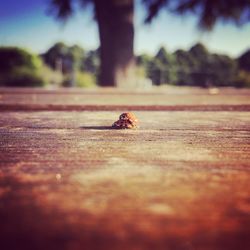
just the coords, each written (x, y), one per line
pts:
(126, 120)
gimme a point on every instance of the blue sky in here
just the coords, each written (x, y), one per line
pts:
(26, 24)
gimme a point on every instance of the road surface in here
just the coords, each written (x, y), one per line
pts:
(180, 181)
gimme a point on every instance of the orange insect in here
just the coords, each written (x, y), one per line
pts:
(126, 120)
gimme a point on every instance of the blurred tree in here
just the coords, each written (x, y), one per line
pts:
(91, 62)
(55, 55)
(76, 55)
(185, 64)
(143, 60)
(155, 72)
(199, 52)
(12, 57)
(244, 61)
(195, 67)
(19, 68)
(163, 68)
(211, 69)
(85, 80)
(74, 58)
(222, 70)
(143, 63)
(243, 77)
(200, 69)
(208, 11)
(116, 31)
(65, 59)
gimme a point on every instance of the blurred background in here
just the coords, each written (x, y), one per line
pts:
(84, 43)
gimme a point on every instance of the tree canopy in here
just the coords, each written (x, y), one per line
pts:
(116, 31)
(195, 67)
(12, 57)
(207, 11)
(63, 57)
(19, 67)
(244, 61)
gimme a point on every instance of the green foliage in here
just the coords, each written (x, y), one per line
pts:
(50, 76)
(144, 60)
(162, 69)
(244, 61)
(85, 80)
(144, 66)
(210, 69)
(243, 79)
(21, 77)
(54, 56)
(196, 67)
(12, 58)
(208, 12)
(20, 68)
(76, 56)
(185, 65)
(140, 72)
(81, 79)
(199, 53)
(223, 70)
(91, 62)
(64, 58)
(63, 9)
(76, 66)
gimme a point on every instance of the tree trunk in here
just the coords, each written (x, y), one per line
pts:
(116, 32)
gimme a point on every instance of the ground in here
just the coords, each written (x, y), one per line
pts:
(180, 181)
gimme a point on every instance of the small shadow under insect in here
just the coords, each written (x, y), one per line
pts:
(97, 127)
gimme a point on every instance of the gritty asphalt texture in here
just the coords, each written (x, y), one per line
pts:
(70, 181)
